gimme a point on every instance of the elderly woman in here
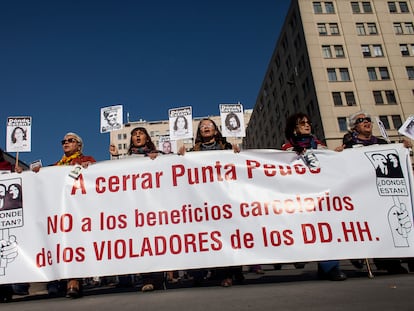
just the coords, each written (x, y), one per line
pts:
(72, 145)
(359, 135)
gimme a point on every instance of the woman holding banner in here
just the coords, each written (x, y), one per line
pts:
(209, 137)
(141, 145)
(298, 133)
(360, 135)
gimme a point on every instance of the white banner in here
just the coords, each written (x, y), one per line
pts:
(206, 209)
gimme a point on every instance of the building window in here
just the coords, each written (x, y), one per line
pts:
(409, 28)
(343, 126)
(396, 121)
(372, 28)
(337, 99)
(378, 50)
(317, 8)
(334, 29)
(391, 99)
(360, 29)
(372, 74)
(332, 75)
(350, 99)
(355, 7)
(378, 98)
(329, 7)
(322, 29)
(385, 122)
(326, 51)
(366, 52)
(398, 29)
(366, 7)
(339, 51)
(344, 74)
(410, 72)
(392, 7)
(404, 50)
(384, 73)
(403, 7)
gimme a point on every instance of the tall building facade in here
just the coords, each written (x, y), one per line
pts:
(335, 58)
(158, 129)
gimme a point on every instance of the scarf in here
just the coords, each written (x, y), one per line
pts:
(365, 142)
(67, 160)
(140, 150)
(302, 142)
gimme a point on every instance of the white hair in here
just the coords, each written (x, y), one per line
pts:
(352, 118)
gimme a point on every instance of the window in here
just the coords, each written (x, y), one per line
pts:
(329, 7)
(360, 29)
(378, 50)
(332, 75)
(398, 29)
(378, 98)
(344, 74)
(326, 51)
(410, 72)
(350, 98)
(355, 7)
(334, 29)
(392, 7)
(317, 8)
(343, 127)
(337, 98)
(384, 73)
(372, 74)
(366, 51)
(385, 122)
(339, 51)
(391, 99)
(403, 7)
(372, 28)
(396, 120)
(322, 29)
(409, 28)
(366, 7)
(404, 50)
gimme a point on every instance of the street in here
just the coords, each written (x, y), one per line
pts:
(285, 289)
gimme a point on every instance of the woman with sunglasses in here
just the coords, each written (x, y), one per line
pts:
(359, 135)
(72, 145)
(298, 133)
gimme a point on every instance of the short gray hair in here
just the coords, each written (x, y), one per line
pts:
(78, 138)
(352, 118)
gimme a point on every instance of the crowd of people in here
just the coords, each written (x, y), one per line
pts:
(299, 138)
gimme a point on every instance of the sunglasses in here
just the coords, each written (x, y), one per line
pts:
(304, 122)
(69, 140)
(360, 120)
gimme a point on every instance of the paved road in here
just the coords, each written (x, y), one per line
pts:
(286, 289)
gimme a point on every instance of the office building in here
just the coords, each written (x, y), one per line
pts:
(335, 58)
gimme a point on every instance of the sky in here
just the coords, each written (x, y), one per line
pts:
(62, 61)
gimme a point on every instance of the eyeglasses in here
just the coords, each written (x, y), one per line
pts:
(360, 120)
(304, 122)
(69, 140)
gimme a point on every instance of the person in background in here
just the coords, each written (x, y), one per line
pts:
(298, 133)
(209, 138)
(141, 145)
(360, 134)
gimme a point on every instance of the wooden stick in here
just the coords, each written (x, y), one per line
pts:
(370, 274)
